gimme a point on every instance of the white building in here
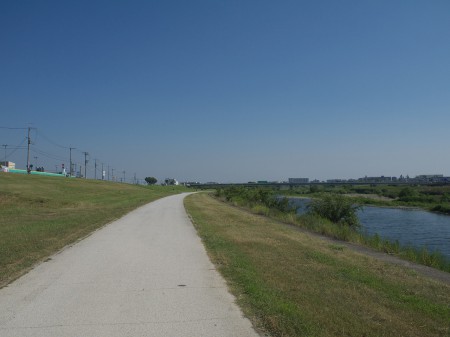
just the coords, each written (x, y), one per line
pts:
(8, 164)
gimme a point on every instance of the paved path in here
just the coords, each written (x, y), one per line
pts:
(146, 274)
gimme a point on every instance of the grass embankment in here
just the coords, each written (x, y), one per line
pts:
(333, 215)
(294, 284)
(40, 215)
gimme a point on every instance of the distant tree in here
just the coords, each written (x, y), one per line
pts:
(151, 180)
(314, 189)
(407, 192)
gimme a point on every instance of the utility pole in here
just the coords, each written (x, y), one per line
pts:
(124, 176)
(85, 163)
(70, 169)
(5, 145)
(112, 174)
(108, 172)
(28, 151)
(95, 168)
(103, 173)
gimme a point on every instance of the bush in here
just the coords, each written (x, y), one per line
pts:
(336, 208)
(314, 189)
(251, 197)
(445, 197)
(407, 192)
(441, 209)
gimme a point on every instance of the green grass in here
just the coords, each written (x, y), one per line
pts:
(40, 215)
(333, 204)
(293, 284)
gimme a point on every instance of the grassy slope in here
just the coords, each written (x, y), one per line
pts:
(40, 215)
(293, 284)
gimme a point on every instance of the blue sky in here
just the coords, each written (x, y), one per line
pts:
(229, 91)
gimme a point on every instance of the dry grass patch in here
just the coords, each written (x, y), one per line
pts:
(295, 284)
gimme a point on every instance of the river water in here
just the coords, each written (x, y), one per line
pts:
(411, 227)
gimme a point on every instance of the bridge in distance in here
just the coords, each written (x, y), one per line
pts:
(292, 185)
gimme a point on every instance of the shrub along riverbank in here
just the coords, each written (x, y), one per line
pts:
(40, 215)
(291, 283)
(430, 198)
(332, 215)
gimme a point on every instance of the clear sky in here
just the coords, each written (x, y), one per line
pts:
(231, 90)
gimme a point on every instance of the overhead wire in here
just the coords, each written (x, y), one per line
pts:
(34, 149)
(38, 135)
(18, 147)
(50, 141)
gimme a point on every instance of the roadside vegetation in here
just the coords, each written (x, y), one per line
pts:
(292, 283)
(330, 214)
(40, 215)
(259, 199)
(435, 198)
(336, 208)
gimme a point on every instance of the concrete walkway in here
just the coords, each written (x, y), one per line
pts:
(146, 274)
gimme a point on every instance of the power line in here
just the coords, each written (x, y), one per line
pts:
(46, 154)
(34, 135)
(5, 145)
(18, 147)
(51, 141)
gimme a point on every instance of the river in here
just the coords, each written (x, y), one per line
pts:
(411, 227)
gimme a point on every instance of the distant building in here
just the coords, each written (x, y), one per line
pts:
(298, 180)
(331, 181)
(381, 179)
(189, 183)
(8, 164)
(431, 178)
(428, 176)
